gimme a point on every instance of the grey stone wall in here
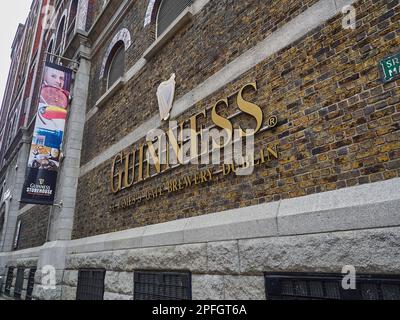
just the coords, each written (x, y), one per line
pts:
(228, 253)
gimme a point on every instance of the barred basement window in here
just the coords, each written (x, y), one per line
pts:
(163, 286)
(90, 284)
(31, 284)
(10, 278)
(329, 287)
(19, 283)
(170, 10)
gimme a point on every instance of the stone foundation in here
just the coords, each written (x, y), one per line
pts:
(229, 253)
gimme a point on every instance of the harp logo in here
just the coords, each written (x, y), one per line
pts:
(166, 95)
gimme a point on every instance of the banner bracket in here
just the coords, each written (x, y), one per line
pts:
(62, 58)
(59, 205)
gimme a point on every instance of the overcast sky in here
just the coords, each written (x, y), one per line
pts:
(12, 12)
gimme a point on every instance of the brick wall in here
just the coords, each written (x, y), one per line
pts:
(94, 9)
(217, 35)
(33, 227)
(339, 124)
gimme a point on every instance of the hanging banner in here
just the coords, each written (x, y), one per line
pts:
(44, 157)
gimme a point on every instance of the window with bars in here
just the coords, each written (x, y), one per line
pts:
(31, 284)
(329, 287)
(163, 286)
(90, 284)
(9, 280)
(168, 11)
(19, 283)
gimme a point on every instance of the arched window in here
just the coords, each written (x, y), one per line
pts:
(2, 218)
(116, 64)
(168, 11)
(60, 35)
(49, 57)
(73, 10)
(72, 13)
(123, 38)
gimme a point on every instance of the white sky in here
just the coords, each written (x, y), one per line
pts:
(12, 12)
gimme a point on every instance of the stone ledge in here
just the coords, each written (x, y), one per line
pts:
(366, 207)
(28, 255)
(362, 207)
(372, 251)
(181, 257)
(110, 92)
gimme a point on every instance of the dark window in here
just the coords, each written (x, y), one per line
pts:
(329, 287)
(170, 10)
(72, 20)
(60, 35)
(73, 12)
(19, 283)
(163, 286)
(90, 285)
(31, 284)
(116, 67)
(2, 214)
(10, 277)
(49, 57)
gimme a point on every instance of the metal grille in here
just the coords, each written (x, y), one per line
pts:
(19, 282)
(163, 286)
(10, 277)
(329, 287)
(31, 284)
(168, 12)
(90, 284)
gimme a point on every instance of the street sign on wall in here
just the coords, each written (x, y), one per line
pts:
(391, 68)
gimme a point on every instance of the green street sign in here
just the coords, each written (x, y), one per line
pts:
(391, 68)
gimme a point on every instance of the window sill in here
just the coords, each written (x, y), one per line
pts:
(183, 19)
(110, 92)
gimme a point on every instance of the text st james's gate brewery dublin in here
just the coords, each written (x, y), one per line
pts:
(166, 150)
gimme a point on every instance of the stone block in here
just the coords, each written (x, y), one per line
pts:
(185, 257)
(207, 287)
(223, 257)
(119, 282)
(68, 293)
(110, 296)
(71, 278)
(370, 251)
(244, 288)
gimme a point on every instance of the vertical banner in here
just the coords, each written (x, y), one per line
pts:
(44, 157)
